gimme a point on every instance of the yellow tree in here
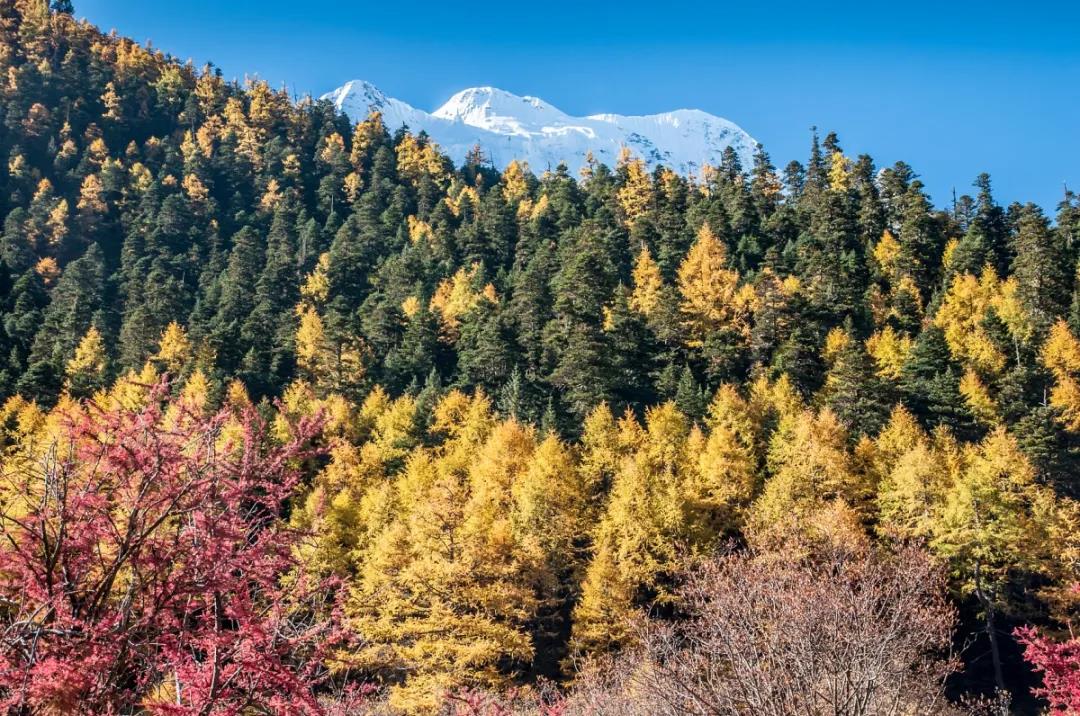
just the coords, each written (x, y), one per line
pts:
(978, 398)
(721, 487)
(416, 160)
(1061, 354)
(810, 466)
(887, 254)
(456, 296)
(174, 349)
(744, 420)
(839, 172)
(912, 492)
(515, 181)
(329, 366)
(961, 317)
(889, 350)
(447, 589)
(350, 500)
(551, 507)
(993, 526)
(900, 434)
(605, 443)
(85, 372)
(635, 196)
(648, 283)
(711, 298)
(635, 545)
(366, 135)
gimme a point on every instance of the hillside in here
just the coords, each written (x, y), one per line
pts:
(300, 414)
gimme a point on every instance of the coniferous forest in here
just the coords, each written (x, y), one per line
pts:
(298, 417)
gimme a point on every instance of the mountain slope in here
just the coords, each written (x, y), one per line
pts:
(509, 127)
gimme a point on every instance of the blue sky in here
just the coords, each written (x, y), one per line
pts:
(952, 88)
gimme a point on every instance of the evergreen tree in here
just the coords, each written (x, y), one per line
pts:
(1042, 267)
(575, 340)
(854, 391)
(831, 263)
(76, 303)
(986, 240)
(929, 382)
(485, 349)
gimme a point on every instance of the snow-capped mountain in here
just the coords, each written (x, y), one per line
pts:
(509, 127)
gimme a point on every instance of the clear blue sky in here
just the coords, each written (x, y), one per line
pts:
(953, 88)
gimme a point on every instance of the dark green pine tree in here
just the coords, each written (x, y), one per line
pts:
(531, 303)
(237, 299)
(690, 397)
(1053, 451)
(381, 317)
(497, 226)
(511, 400)
(41, 382)
(354, 253)
(6, 344)
(922, 240)
(28, 300)
(566, 197)
(634, 354)
(986, 240)
(831, 262)
(1068, 220)
(14, 248)
(576, 347)
(149, 309)
(77, 302)
(1042, 266)
(419, 351)
(930, 385)
(208, 293)
(870, 215)
(893, 184)
(671, 235)
(817, 168)
(772, 315)
(831, 146)
(799, 357)
(485, 349)
(794, 181)
(270, 328)
(6, 284)
(854, 391)
(765, 187)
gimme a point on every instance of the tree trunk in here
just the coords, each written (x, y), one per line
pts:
(995, 650)
(991, 627)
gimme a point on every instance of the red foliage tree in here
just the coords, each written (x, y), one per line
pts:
(144, 565)
(1059, 663)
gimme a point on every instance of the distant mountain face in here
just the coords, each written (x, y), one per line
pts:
(509, 127)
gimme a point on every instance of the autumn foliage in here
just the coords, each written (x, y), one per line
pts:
(144, 564)
(1059, 664)
(296, 415)
(807, 628)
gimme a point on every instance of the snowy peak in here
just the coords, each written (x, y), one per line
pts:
(358, 99)
(499, 111)
(510, 127)
(360, 90)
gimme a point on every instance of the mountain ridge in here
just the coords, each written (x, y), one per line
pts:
(526, 128)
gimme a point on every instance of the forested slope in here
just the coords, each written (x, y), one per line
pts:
(540, 396)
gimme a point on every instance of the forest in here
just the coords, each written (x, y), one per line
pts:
(297, 417)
